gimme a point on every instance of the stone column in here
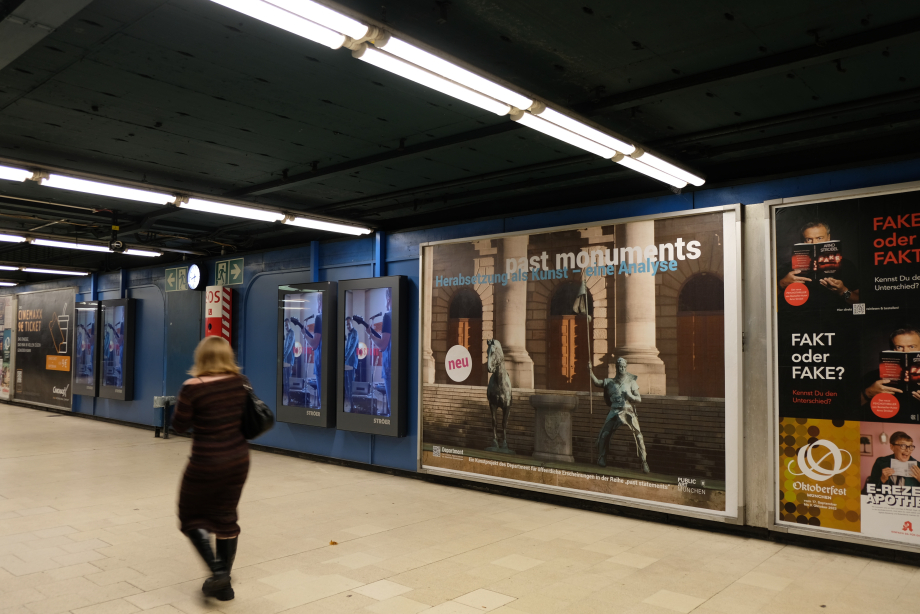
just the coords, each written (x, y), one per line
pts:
(635, 314)
(511, 318)
(428, 369)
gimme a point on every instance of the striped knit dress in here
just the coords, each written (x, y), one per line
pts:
(219, 464)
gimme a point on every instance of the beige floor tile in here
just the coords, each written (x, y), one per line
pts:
(517, 562)
(382, 589)
(484, 600)
(764, 580)
(355, 561)
(632, 560)
(117, 606)
(677, 602)
(451, 607)
(398, 605)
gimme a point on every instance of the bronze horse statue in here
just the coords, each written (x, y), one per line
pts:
(499, 394)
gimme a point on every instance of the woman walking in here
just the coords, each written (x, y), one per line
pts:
(212, 403)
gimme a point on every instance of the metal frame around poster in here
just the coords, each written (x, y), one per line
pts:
(734, 440)
(327, 411)
(15, 340)
(770, 207)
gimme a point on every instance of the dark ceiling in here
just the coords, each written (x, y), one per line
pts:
(189, 95)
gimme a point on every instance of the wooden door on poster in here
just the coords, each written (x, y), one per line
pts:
(568, 353)
(468, 333)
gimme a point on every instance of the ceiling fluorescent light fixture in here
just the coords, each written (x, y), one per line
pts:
(663, 165)
(14, 174)
(107, 189)
(391, 63)
(324, 16)
(651, 171)
(54, 272)
(573, 125)
(8, 283)
(3, 267)
(549, 129)
(141, 252)
(304, 222)
(286, 20)
(67, 245)
(451, 71)
(208, 206)
(11, 239)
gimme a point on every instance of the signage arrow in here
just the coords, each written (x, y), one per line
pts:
(236, 270)
(170, 279)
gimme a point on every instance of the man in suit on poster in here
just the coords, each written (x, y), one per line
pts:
(898, 469)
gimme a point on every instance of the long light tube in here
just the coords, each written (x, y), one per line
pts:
(304, 222)
(442, 67)
(141, 252)
(8, 268)
(421, 76)
(207, 206)
(286, 20)
(651, 171)
(12, 239)
(55, 272)
(584, 130)
(107, 189)
(8, 283)
(549, 129)
(67, 245)
(14, 174)
(324, 16)
(663, 165)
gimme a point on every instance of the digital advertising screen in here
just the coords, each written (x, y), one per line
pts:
(85, 356)
(372, 316)
(116, 354)
(306, 341)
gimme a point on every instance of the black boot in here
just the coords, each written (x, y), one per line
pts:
(226, 552)
(201, 539)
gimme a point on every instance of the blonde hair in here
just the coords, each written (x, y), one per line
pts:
(213, 356)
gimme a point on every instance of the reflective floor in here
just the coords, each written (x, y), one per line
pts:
(87, 525)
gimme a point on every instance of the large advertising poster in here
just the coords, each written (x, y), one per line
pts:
(6, 339)
(44, 339)
(846, 283)
(592, 360)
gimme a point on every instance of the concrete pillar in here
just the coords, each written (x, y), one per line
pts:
(511, 319)
(635, 322)
(428, 367)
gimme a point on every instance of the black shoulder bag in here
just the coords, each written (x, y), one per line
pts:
(257, 416)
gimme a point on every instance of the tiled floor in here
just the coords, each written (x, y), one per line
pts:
(87, 525)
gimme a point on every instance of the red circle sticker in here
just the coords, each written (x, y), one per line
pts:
(885, 405)
(796, 294)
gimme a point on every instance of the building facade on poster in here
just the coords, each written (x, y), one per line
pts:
(654, 291)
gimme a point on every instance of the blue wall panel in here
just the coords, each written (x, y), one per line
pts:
(149, 342)
(353, 259)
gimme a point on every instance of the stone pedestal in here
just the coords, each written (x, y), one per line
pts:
(511, 319)
(635, 325)
(553, 426)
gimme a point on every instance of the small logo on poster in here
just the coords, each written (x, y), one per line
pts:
(811, 467)
(436, 451)
(908, 527)
(61, 391)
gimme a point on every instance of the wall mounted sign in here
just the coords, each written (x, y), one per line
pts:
(116, 355)
(44, 343)
(86, 348)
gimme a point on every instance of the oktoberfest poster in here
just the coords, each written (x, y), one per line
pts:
(847, 296)
(44, 339)
(590, 359)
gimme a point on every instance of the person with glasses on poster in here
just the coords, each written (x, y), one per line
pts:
(899, 469)
(905, 340)
(835, 289)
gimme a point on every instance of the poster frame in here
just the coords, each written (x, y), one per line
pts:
(109, 392)
(285, 413)
(397, 425)
(770, 207)
(734, 369)
(15, 340)
(90, 390)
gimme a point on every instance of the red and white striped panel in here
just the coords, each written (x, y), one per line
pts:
(218, 312)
